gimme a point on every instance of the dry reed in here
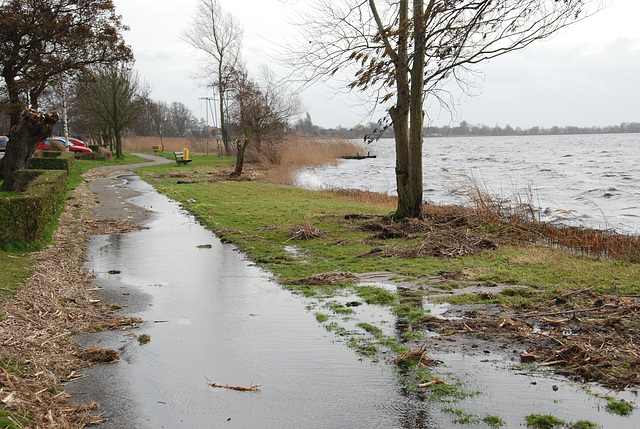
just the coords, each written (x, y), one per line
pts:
(517, 217)
(146, 144)
(286, 156)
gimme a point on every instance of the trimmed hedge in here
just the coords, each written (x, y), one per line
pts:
(24, 217)
(49, 161)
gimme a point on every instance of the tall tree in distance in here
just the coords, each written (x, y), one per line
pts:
(40, 40)
(402, 52)
(113, 100)
(218, 36)
(260, 111)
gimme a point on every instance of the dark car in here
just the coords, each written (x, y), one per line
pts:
(46, 145)
(3, 142)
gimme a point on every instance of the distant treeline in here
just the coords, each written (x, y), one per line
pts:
(464, 128)
(158, 118)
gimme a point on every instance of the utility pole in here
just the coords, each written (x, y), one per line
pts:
(214, 116)
(206, 106)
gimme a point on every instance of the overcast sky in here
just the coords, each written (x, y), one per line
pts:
(589, 74)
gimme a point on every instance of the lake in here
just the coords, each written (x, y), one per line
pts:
(585, 180)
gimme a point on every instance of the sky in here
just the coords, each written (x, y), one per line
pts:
(587, 75)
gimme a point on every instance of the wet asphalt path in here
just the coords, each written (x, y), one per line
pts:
(213, 316)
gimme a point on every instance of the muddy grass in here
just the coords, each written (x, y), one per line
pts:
(586, 337)
(38, 352)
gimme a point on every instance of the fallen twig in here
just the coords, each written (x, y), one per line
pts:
(431, 383)
(240, 388)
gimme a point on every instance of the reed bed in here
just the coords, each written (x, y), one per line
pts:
(284, 157)
(517, 217)
(367, 197)
(169, 144)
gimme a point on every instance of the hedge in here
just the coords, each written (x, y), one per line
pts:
(53, 160)
(24, 217)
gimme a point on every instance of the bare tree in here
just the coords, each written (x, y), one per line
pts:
(113, 99)
(261, 111)
(218, 35)
(402, 55)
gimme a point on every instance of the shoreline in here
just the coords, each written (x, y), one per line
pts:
(505, 330)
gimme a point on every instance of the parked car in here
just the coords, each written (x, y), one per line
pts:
(3, 142)
(46, 145)
(77, 142)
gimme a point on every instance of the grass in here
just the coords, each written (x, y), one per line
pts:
(584, 424)
(619, 407)
(462, 417)
(320, 317)
(14, 270)
(493, 421)
(12, 420)
(374, 295)
(81, 166)
(539, 421)
(257, 216)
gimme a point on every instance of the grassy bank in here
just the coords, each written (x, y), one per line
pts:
(314, 243)
(262, 218)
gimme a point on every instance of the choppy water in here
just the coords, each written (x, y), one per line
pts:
(586, 180)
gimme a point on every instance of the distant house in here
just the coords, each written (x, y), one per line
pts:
(215, 132)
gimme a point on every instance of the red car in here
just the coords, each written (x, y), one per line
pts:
(77, 142)
(46, 145)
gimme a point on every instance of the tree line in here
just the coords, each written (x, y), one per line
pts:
(305, 126)
(401, 54)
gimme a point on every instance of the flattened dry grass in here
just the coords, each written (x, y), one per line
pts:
(39, 323)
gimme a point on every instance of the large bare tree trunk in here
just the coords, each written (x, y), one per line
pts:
(408, 117)
(416, 114)
(241, 147)
(32, 128)
(400, 118)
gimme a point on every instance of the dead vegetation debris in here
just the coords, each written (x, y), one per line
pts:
(37, 347)
(324, 279)
(306, 231)
(438, 238)
(591, 339)
(489, 222)
(417, 357)
(98, 355)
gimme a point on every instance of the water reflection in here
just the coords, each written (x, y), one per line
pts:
(213, 316)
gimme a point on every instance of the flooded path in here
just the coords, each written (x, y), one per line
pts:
(213, 316)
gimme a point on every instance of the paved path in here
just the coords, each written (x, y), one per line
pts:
(108, 184)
